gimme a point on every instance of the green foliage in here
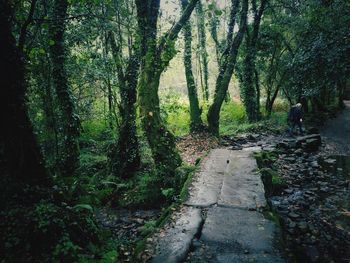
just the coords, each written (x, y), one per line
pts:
(175, 113)
(265, 158)
(233, 118)
(48, 232)
(149, 227)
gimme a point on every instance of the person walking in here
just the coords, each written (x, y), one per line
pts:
(295, 119)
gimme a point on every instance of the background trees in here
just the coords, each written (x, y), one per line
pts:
(95, 94)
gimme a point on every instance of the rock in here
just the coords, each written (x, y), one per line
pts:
(303, 226)
(282, 145)
(315, 164)
(329, 164)
(309, 142)
(311, 145)
(312, 253)
(293, 215)
(290, 159)
(288, 191)
(292, 224)
(312, 130)
(298, 152)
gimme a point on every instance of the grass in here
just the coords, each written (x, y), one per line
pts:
(233, 119)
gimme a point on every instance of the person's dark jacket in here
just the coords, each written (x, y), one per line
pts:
(295, 114)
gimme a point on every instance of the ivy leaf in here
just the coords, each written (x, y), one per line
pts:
(83, 206)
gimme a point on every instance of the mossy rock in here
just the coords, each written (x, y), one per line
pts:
(265, 158)
(273, 182)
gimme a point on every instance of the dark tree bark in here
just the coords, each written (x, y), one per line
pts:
(125, 155)
(213, 29)
(44, 83)
(249, 92)
(203, 49)
(154, 59)
(70, 119)
(227, 64)
(20, 157)
(24, 28)
(195, 111)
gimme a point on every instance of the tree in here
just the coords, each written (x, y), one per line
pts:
(250, 91)
(21, 160)
(227, 63)
(70, 119)
(273, 55)
(154, 59)
(125, 156)
(195, 111)
(203, 55)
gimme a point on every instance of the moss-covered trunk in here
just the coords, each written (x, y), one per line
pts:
(203, 48)
(70, 119)
(195, 111)
(154, 59)
(227, 65)
(125, 154)
(249, 92)
(161, 141)
(20, 158)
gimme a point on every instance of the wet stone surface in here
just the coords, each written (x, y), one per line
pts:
(226, 223)
(314, 209)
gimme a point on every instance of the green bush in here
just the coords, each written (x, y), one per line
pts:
(48, 232)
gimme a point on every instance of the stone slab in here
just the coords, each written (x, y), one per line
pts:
(242, 186)
(238, 235)
(177, 239)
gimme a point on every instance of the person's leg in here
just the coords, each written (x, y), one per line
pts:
(291, 129)
(300, 128)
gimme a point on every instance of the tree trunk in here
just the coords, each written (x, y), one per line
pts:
(227, 66)
(161, 141)
(249, 92)
(20, 158)
(154, 59)
(341, 93)
(70, 119)
(257, 88)
(271, 100)
(203, 48)
(125, 155)
(195, 112)
(44, 82)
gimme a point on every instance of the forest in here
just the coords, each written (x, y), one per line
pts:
(102, 102)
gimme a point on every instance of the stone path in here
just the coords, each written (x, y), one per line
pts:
(222, 219)
(337, 131)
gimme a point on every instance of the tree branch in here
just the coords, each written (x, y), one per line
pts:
(29, 20)
(174, 31)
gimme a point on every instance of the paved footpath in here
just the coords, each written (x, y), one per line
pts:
(337, 131)
(222, 220)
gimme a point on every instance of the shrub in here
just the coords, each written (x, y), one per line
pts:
(47, 232)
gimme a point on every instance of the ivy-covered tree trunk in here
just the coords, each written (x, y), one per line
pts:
(195, 111)
(125, 155)
(270, 99)
(203, 48)
(154, 59)
(50, 119)
(20, 157)
(227, 65)
(70, 119)
(249, 93)
(161, 141)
